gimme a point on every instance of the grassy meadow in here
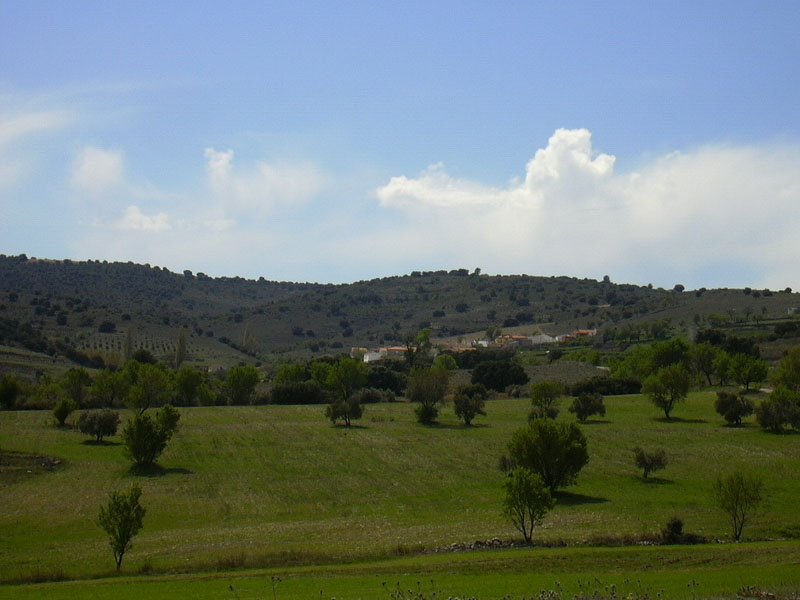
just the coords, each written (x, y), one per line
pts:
(279, 490)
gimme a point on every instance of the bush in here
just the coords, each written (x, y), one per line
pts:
(586, 405)
(384, 378)
(373, 396)
(498, 375)
(99, 423)
(527, 500)
(606, 386)
(733, 407)
(427, 387)
(543, 400)
(146, 437)
(780, 410)
(10, 389)
(298, 392)
(650, 461)
(468, 402)
(554, 451)
(344, 409)
(63, 409)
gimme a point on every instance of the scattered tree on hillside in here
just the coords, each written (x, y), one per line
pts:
(667, 387)
(469, 401)
(418, 347)
(10, 389)
(554, 451)
(738, 495)
(427, 388)
(63, 408)
(180, 349)
(240, 384)
(702, 358)
(98, 423)
(498, 374)
(76, 384)
(544, 396)
(153, 387)
(121, 519)
(780, 410)
(110, 388)
(344, 378)
(650, 461)
(788, 372)
(527, 501)
(733, 407)
(146, 437)
(587, 404)
(746, 370)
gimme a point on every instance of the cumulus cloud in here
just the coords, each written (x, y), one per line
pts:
(257, 190)
(134, 219)
(685, 215)
(96, 170)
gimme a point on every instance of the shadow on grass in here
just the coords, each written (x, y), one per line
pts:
(157, 471)
(594, 422)
(677, 420)
(656, 481)
(573, 499)
(100, 443)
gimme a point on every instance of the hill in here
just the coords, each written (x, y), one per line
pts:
(85, 310)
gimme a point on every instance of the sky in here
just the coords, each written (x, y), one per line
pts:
(653, 142)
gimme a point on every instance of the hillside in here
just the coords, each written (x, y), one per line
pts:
(58, 308)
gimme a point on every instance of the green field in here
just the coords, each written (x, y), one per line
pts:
(279, 488)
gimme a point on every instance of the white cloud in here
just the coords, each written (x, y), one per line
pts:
(134, 219)
(96, 170)
(258, 190)
(681, 216)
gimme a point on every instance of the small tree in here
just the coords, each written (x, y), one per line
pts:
(499, 374)
(586, 405)
(146, 437)
(544, 396)
(122, 519)
(10, 389)
(780, 410)
(240, 384)
(554, 451)
(667, 387)
(788, 372)
(526, 502)
(64, 408)
(738, 495)
(99, 423)
(733, 407)
(347, 410)
(746, 370)
(427, 387)
(649, 462)
(469, 400)
(153, 387)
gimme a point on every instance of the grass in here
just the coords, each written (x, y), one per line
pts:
(280, 488)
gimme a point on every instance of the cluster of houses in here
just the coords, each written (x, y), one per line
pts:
(501, 341)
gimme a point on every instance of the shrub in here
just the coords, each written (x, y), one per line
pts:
(554, 451)
(738, 495)
(543, 400)
(9, 391)
(586, 405)
(780, 410)
(672, 532)
(384, 378)
(63, 409)
(499, 374)
(427, 387)
(99, 423)
(468, 402)
(733, 407)
(298, 392)
(650, 461)
(526, 501)
(373, 396)
(146, 437)
(122, 519)
(344, 409)
(607, 386)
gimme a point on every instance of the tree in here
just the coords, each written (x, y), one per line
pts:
(76, 383)
(738, 495)
(782, 408)
(427, 387)
(240, 384)
(702, 358)
(650, 461)
(445, 361)
(668, 386)
(554, 451)
(190, 386)
(180, 349)
(788, 372)
(498, 374)
(527, 500)
(733, 407)
(587, 404)
(345, 409)
(746, 369)
(122, 519)
(543, 399)
(345, 377)
(99, 423)
(418, 348)
(10, 389)
(146, 437)
(63, 408)
(109, 389)
(153, 387)
(469, 400)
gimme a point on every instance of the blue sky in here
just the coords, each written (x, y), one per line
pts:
(656, 142)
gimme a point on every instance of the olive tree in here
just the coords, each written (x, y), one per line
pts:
(668, 386)
(544, 396)
(733, 407)
(738, 495)
(99, 423)
(469, 400)
(122, 519)
(556, 452)
(649, 461)
(526, 501)
(587, 404)
(147, 437)
(427, 387)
